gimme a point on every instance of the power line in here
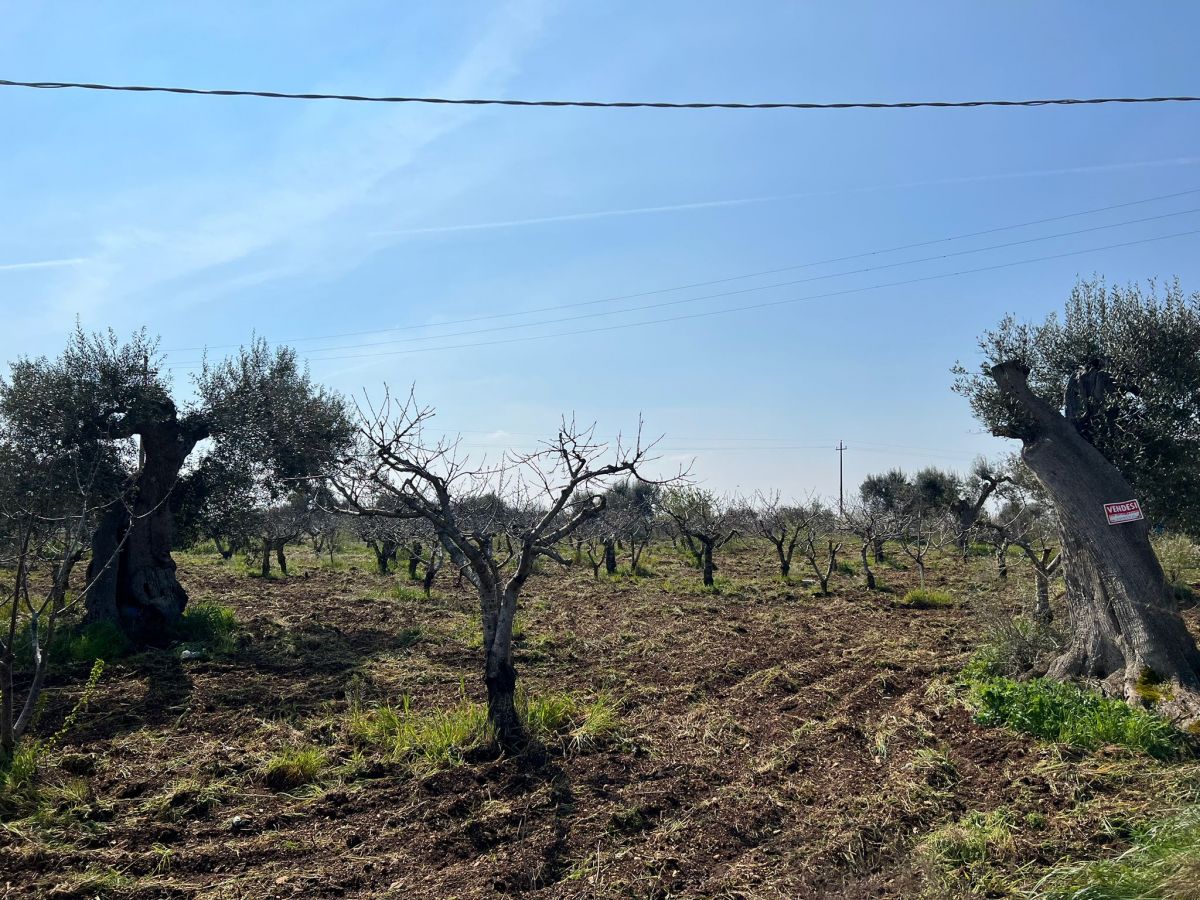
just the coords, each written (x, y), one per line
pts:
(724, 280)
(590, 104)
(783, 442)
(732, 309)
(748, 290)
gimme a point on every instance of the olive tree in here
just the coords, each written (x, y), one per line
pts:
(1106, 405)
(257, 410)
(493, 521)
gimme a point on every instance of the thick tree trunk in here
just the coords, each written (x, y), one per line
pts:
(135, 584)
(431, 570)
(266, 559)
(1124, 619)
(610, 557)
(414, 559)
(1002, 560)
(500, 676)
(877, 548)
(707, 564)
(281, 557)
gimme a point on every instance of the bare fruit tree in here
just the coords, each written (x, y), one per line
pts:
(780, 523)
(921, 530)
(1027, 521)
(531, 504)
(704, 521)
(49, 505)
(818, 542)
(872, 524)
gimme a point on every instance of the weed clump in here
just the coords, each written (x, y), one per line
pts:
(97, 641)
(294, 767)
(1011, 647)
(209, 624)
(438, 739)
(1054, 711)
(926, 598)
(1164, 861)
(977, 837)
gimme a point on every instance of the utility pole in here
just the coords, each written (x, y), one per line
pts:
(841, 450)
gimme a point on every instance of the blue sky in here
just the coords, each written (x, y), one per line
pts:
(206, 219)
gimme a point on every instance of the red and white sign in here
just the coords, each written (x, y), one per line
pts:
(1126, 511)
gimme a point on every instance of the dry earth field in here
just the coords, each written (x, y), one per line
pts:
(766, 743)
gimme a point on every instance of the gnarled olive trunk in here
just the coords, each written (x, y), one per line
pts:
(135, 585)
(1124, 619)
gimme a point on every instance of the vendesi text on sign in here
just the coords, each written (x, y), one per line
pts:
(1125, 511)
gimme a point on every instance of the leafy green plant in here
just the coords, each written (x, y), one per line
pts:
(97, 641)
(1064, 713)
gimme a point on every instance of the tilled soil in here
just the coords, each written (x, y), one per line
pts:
(773, 744)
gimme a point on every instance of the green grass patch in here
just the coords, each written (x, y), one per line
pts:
(294, 767)
(99, 640)
(427, 740)
(1164, 862)
(1059, 712)
(927, 598)
(18, 780)
(977, 837)
(430, 740)
(211, 625)
(406, 593)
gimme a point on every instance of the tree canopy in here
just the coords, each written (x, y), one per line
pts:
(1136, 351)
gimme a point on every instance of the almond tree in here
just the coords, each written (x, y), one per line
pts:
(780, 523)
(1027, 521)
(920, 530)
(632, 506)
(818, 543)
(542, 498)
(872, 525)
(50, 499)
(704, 521)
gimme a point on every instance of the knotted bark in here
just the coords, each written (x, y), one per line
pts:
(1125, 624)
(131, 561)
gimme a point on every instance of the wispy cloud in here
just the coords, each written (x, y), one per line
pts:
(291, 222)
(775, 198)
(43, 264)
